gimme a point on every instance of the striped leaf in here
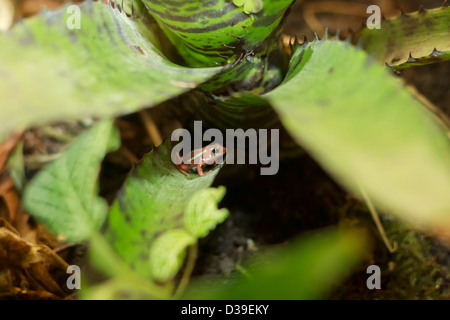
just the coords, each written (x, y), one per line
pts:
(409, 40)
(211, 32)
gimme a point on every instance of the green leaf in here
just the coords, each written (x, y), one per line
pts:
(205, 32)
(239, 3)
(258, 72)
(153, 202)
(201, 213)
(307, 268)
(167, 253)
(64, 194)
(134, 8)
(117, 289)
(16, 166)
(417, 34)
(253, 6)
(368, 131)
(49, 72)
(250, 6)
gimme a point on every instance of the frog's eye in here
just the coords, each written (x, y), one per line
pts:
(215, 150)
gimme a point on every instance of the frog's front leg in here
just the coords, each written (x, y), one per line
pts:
(187, 174)
(200, 171)
(182, 168)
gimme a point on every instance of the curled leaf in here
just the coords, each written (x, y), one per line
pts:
(201, 214)
(167, 253)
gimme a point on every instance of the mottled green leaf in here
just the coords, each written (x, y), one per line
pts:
(368, 131)
(50, 72)
(167, 253)
(424, 34)
(239, 3)
(64, 194)
(250, 6)
(124, 288)
(152, 202)
(208, 32)
(201, 214)
(307, 268)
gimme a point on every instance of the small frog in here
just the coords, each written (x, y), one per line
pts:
(209, 155)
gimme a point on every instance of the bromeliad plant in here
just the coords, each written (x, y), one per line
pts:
(338, 101)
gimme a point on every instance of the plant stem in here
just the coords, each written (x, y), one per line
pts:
(376, 218)
(190, 263)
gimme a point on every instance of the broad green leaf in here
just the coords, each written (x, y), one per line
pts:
(239, 3)
(250, 6)
(201, 213)
(167, 253)
(415, 39)
(207, 32)
(50, 72)
(368, 131)
(121, 289)
(151, 203)
(307, 268)
(64, 194)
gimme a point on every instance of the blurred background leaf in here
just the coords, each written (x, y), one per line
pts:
(64, 195)
(409, 40)
(105, 68)
(368, 131)
(307, 268)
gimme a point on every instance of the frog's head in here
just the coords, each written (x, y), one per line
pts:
(212, 156)
(217, 153)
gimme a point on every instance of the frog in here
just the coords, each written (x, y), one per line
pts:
(250, 6)
(209, 155)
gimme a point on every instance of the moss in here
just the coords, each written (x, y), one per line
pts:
(419, 269)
